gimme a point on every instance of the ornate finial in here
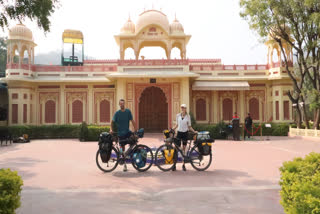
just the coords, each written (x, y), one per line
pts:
(152, 6)
(129, 18)
(175, 16)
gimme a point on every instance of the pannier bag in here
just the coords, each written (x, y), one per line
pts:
(204, 143)
(168, 154)
(105, 146)
(140, 133)
(140, 158)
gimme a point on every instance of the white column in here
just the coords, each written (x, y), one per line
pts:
(242, 108)
(90, 104)
(63, 107)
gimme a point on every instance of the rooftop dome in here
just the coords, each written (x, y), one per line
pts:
(128, 27)
(150, 17)
(176, 27)
(20, 32)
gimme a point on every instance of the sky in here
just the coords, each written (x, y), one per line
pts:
(216, 28)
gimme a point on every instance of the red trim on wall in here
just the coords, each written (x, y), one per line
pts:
(14, 115)
(228, 74)
(257, 85)
(76, 86)
(48, 86)
(25, 117)
(15, 96)
(103, 86)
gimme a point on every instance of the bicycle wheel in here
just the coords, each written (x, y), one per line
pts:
(198, 161)
(142, 158)
(112, 162)
(166, 157)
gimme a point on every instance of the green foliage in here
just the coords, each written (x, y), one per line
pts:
(10, 188)
(35, 10)
(83, 134)
(3, 56)
(300, 185)
(95, 131)
(193, 120)
(277, 129)
(45, 132)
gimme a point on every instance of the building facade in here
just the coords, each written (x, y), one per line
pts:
(153, 89)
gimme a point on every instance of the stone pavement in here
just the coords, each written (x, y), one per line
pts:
(61, 176)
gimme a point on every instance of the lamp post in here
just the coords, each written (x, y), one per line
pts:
(301, 105)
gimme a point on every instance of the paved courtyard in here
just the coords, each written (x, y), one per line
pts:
(61, 176)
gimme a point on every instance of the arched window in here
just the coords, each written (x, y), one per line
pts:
(201, 110)
(77, 111)
(50, 112)
(227, 109)
(104, 111)
(254, 108)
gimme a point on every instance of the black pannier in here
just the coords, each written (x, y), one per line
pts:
(105, 146)
(204, 143)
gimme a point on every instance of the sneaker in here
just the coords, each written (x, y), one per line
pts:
(125, 168)
(184, 168)
(174, 168)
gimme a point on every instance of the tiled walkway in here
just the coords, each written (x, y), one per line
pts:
(61, 176)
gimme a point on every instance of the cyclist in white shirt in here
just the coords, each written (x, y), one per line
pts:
(183, 123)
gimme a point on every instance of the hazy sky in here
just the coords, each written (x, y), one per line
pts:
(215, 25)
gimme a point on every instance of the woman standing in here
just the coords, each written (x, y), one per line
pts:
(183, 123)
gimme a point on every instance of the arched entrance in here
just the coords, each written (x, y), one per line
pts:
(153, 110)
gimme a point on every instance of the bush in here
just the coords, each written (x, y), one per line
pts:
(95, 131)
(277, 129)
(300, 185)
(83, 134)
(10, 188)
(45, 132)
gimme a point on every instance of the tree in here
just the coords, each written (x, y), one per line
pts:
(3, 56)
(38, 10)
(297, 19)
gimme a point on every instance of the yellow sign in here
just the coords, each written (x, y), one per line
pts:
(72, 40)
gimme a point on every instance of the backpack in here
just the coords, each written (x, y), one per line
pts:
(140, 158)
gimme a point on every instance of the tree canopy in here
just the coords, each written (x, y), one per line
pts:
(35, 10)
(300, 20)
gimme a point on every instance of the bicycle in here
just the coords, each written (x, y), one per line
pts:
(167, 155)
(108, 156)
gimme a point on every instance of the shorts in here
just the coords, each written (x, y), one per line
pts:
(124, 140)
(182, 136)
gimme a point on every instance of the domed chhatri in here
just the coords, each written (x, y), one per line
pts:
(20, 32)
(128, 27)
(152, 29)
(176, 27)
(150, 17)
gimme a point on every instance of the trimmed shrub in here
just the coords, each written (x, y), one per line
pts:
(83, 135)
(95, 131)
(45, 132)
(300, 185)
(10, 188)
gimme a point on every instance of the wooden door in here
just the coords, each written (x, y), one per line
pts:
(153, 110)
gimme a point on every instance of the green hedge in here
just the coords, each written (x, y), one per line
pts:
(300, 185)
(277, 129)
(58, 131)
(10, 188)
(94, 132)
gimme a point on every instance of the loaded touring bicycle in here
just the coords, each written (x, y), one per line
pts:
(109, 154)
(198, 153)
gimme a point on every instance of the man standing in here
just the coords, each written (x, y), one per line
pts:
(236, 127)
(121, 120)
(248, 124)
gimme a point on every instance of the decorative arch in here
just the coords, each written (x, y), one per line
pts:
(105, 111)
(77, 111)
(50, 112)
(254, 108)
(166, 88)
(201, 109)
(227, 108)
